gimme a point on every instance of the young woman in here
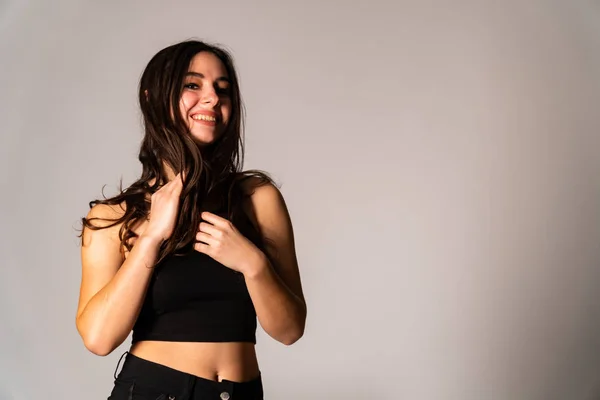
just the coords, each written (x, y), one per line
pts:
(195, 251)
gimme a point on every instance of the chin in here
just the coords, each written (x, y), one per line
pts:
(202, 142)
(204, 139)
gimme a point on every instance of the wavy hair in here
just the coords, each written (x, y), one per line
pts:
(215, 181)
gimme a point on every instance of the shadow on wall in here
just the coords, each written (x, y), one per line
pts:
(594, 393)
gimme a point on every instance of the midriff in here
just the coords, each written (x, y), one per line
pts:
(234, 361)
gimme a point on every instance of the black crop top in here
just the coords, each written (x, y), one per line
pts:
(194, 298)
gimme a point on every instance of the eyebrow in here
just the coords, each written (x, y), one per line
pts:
(199, 75)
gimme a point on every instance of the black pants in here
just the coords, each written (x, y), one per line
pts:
(145, 380)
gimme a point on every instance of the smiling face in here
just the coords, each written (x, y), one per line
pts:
(206, 104)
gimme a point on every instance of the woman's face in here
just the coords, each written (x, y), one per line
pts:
(206, 98)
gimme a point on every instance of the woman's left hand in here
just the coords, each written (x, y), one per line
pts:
(220, 239)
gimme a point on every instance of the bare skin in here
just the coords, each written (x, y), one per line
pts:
(235, 361)
(275, 290)
(215, 361)
(114, 281)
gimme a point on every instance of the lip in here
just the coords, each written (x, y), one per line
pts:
(205, 112)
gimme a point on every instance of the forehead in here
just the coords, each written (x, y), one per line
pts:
(209, 65)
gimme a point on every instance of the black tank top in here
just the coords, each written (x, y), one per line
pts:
(194, 298)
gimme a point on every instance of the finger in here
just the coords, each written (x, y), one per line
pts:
(175, 181)
(202, 248)
(205, 238)
(214, 219)
(180, 178)
(166, 187)
(176, 184)
(178, 187)
(210, 229)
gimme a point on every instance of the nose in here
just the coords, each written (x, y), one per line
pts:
(210, 97)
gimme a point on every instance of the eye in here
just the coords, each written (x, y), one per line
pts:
(224, 91)
(191, 86)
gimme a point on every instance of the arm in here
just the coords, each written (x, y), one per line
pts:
(273, 279)
(112, 290)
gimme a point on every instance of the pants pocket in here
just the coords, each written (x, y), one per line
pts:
(139, 392)
(122, 390)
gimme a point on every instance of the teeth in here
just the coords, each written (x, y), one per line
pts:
(204, 118)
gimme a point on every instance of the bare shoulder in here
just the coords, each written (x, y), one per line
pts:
(107, 210)
(275, 225)
(251, 183)
(102, 216)
(105, 214)
(269, 202)
(266, 205)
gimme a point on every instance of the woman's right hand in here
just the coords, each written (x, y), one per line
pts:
(164, 209)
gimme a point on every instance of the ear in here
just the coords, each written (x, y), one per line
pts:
(146, 93)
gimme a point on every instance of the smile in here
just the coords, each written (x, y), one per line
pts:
(202, 117)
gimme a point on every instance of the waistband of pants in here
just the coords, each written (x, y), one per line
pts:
(151, 374)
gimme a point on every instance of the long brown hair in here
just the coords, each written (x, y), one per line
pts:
(214, 181)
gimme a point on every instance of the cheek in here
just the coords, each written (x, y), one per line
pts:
(226, 110)
(188, 100)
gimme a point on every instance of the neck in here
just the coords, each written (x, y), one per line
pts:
(169, 171)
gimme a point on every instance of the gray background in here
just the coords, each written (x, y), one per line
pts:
(439, 159)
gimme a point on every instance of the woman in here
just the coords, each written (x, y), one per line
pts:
(195, 251)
